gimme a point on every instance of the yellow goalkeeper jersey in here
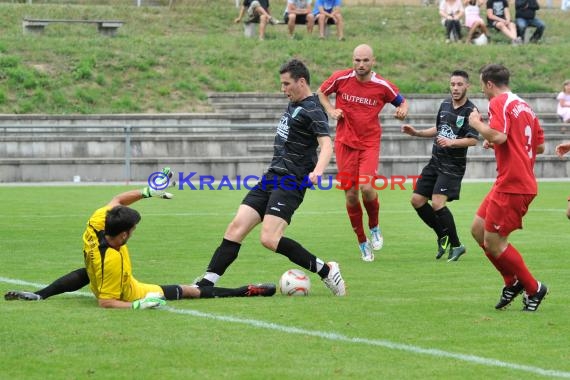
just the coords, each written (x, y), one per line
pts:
(109, 270)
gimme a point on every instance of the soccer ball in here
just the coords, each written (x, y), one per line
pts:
(294, 282)
(481, 40)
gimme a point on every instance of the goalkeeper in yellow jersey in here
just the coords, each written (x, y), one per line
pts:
(108, 268)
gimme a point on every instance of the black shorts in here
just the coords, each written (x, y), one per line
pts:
(493, 25)
(276, 195)
(299, 20)
(434, 182)
(330, 20)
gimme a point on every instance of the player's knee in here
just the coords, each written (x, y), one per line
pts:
(235, 231)
(352, 199)
(417, 200)
(269, 241)
(437, 204)
(477, 232)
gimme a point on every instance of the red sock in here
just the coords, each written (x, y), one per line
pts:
(508, 277)
(355, 216)
(372, 207)
(513, 262)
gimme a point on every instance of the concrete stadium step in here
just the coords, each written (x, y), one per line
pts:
(247, 97)
(267, 108)
(549, 128)
(405, 146)
(54, 148)
(542, 103)
(429, 118)
(138, 169)
(166, 145)
(190, 144)
(389, 127)
(95, 123)
(547, 166)
(116, 169)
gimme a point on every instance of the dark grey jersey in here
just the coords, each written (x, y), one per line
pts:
(452, 123)
(295, 145)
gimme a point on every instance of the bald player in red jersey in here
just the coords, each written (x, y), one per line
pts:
(515, 134)
(360, 96)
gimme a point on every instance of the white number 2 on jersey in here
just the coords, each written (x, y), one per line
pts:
(528, 134)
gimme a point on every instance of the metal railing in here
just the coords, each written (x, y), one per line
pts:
(127, 131)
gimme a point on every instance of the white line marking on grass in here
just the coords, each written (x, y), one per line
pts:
(343, 338)
(376, 342)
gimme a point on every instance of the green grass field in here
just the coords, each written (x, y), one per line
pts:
(407, 315)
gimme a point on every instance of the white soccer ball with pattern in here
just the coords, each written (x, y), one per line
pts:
(295, 282)
(481, 40)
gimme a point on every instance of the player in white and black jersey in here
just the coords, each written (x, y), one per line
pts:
(441, 178)
(295, 166)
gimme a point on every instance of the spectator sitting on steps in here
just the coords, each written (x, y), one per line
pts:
(525, 14)
(499, 17)
(451, 12)
(474, 22)
(299, 12)
(563, 106)
(257, 12)
(327, 12)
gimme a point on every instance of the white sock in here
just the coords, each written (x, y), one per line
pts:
(212, 277)
(320, 264)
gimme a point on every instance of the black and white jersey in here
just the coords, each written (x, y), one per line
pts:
(295, 145)
(453, 124)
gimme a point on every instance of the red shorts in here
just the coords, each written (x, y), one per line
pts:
(352, 163)
(503, 212)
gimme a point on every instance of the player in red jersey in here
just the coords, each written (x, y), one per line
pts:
(515, 134)
(360, 96)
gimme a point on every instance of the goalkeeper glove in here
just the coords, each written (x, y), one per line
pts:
(159, 183)
(148, 302)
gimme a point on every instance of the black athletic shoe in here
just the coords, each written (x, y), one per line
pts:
(264, 290)
(442, 246)
(532, 303)
(21, 295)
(508, 294)
(455, 253)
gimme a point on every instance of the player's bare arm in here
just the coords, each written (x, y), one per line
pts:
(126, 198)
(402, 111)
(322, 11)
(489, 134)
(335, 113)
(241, 13)
(562, 149)
(326, 146)
(410, 130)
(488, 145)
(456, 143)
(114, 304)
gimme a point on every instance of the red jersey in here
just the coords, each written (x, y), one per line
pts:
(515, 157)
(361, 103)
